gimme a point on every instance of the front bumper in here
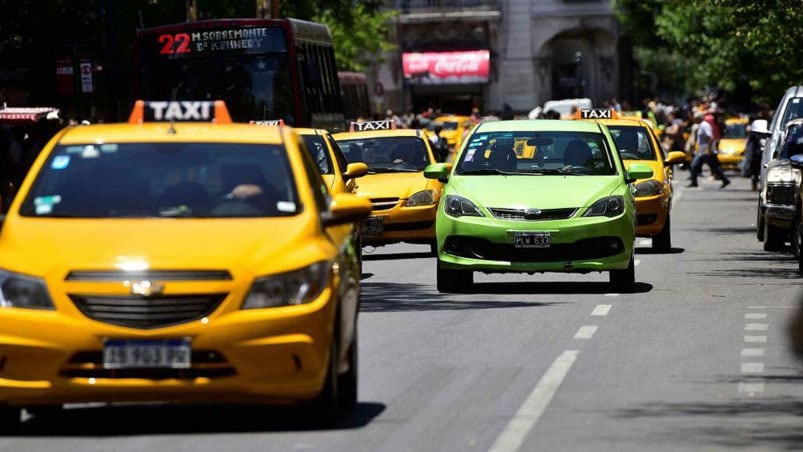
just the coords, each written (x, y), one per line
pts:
(578, 244)
(779, 215)
(404, 224)
(651, 214)
(730, 161)
(276, 355)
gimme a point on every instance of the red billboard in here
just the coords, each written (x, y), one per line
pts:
(435, 68)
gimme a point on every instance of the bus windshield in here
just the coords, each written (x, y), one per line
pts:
(254, 88)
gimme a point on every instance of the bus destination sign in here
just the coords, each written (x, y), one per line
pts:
(221, 41)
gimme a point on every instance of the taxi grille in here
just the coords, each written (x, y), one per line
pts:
(384, 203)
(532, 214)
(161, 275)
(147, 312)
(476, 248)
(205, 364)
(781, 194)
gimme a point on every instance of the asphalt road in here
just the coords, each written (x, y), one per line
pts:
(696, 359)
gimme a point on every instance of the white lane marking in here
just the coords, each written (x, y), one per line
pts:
(636, 262)
(752, 352)
(645, 242)
(586, 332)
(755, 339)
(512, 437)
(611, 295)
(751, 388)
(755, 316)
(752, 368)
(756, 327)
(601, 309)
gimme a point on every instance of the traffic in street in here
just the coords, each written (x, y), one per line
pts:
(696, 358)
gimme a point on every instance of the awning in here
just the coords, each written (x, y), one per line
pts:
(26, 115)
(436, 68)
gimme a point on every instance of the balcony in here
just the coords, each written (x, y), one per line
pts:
(422, 11)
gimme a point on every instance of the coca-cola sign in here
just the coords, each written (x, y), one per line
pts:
(446, 67)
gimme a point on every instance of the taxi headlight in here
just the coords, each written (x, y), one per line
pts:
(287, 289)
(422, 198)
(20, 291)
(649, 188)
(458, 206)
(610, 206)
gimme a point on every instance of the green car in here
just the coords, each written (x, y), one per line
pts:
(536, 196)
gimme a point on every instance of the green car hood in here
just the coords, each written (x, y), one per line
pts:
(542, 192)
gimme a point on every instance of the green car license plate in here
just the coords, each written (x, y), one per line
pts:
(532, 239)
(137, 354)
(372, 227)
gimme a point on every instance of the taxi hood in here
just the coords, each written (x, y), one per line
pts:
(391, 185)
(55, 246)
(536, 191)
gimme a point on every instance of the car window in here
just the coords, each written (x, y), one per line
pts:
(633, 143)
(342, 163)
(319, 153)
(553, 152)
(164, 180)
(387, 154)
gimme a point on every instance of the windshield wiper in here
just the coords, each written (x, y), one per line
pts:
(486, 171)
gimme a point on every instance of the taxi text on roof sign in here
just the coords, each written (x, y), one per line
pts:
(159, 111)
(597, 113)
(268, 122)
(362, 126)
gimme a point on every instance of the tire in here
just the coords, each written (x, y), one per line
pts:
(623, 280)
(433, 248)
(10, 419)
(773, 238)
(795, 235)
(663, 240)
(759, 223)
(348, 382)
(334, 401)
(454, 281)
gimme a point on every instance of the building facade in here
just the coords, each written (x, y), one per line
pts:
(503, 54)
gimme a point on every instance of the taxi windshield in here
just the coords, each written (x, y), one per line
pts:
(633, 143)
(387, 154)
(146, 180)
(536, 153)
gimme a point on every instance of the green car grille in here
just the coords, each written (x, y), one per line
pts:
(477, 248)
(532, 214)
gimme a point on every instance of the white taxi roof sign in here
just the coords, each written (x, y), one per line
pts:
(179, 111)
(362, 126)
(267, 122)
(597, 113)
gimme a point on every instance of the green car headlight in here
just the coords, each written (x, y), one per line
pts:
(21, 291)
(287, 289)
(649, 188)
(610, 206)
(458, 206)
(421, 198)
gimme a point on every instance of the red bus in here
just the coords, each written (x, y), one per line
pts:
(264, 69)
(356, 100)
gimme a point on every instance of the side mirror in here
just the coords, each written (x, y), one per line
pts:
(439, 171)
(356, 169)
(796, 161)
(638, 171)
(346, 208)
(675, 157)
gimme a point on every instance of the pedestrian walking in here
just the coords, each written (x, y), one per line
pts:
(706, 152)
(753, 151)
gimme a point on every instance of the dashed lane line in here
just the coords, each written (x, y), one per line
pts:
(586, 332)
(601, 309)
(755, 339)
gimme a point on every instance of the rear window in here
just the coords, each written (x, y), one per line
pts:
(207, 180)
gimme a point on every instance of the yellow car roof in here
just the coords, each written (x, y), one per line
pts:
(175, 132)
(377, 134)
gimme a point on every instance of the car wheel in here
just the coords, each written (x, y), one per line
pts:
(623, 280)
(795, 234)
(326, 407)
(759, 224)
(348, 382)
(10, 419)
(433, 248)
(663, 241)
(454, 281)
(773, 238)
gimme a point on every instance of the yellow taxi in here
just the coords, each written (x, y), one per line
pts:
(453, 128)
(731, 146)
(404, 201)
(637, 142)
(178, 257)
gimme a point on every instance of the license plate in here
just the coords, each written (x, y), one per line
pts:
(127, 354)
(532, 239)
(372, 227)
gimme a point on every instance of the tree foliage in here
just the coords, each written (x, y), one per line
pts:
(745, 47)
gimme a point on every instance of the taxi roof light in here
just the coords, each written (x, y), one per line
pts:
(362, 126)
(596, 113)
(179, 110)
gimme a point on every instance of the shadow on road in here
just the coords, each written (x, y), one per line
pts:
(707, 428)
(389, 256)
(759, 264)
(156, 419)
(653, 251)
